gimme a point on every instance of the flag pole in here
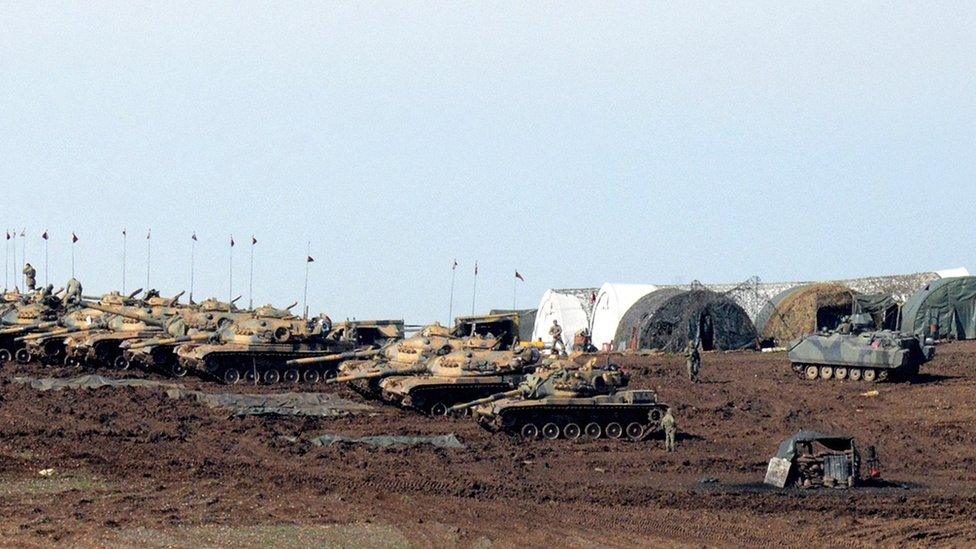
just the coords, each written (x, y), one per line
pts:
(13, 264)
(6, 263)
(124, 238)
(514, 289)
(450, 311)
(73, 240)
(250, 279)
(46, 277)
(23, 249)
(230, 281)
(308, 256)
(193, 253)
(474, 287)
(148, 256)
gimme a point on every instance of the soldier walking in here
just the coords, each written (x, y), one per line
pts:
(670, 427)
(30, 275)
(556, 332)
(692, 360)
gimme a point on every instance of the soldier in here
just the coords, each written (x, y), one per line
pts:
(670, 427)
(73, 292)
(692, 360)
(29, 275)
(556, 332)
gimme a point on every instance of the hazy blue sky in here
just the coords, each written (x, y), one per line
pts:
(579, 143)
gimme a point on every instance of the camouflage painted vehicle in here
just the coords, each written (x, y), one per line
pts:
(102, 347)
(157, 351)
(260, 347)
(459, 376)
(569, 402)
(31, 312)
(857, 353)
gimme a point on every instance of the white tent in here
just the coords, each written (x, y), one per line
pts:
(571, 308)
(612, 301)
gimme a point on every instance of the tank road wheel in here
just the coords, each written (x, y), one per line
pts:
(812, 372)
(5, 356)
(826, 372)
(840, 373)
(868, 375)
(251, 375)
(882, 375)
(635, 431)
(530, 431)
(271, 376)
(291, 376)
(23, 356)
(550, 431)
(854, 374)
(438, 409)
(655, 415)
(571, 431)
(331, 374)
(231, 376)
(177, 370)
(70, 361)
(120, 363)
(614, 430)
(593, 430)
(311, 376)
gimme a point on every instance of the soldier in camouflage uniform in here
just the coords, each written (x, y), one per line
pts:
(556, 332)
(30, 275)
(692, 360)
(73, 291)
(670, 426)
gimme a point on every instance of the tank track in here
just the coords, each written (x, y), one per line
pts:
(265, 366)
(552, 421)
(841, 372)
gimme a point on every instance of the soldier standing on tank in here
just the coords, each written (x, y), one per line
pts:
(670, 426)
(30, 275)
(73, 291)
(556, 332)
(692, 360)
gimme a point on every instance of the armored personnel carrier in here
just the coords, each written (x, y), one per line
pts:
(102, 347)
(570, 402)
(459, 376)
(260, 347)
(856, 352)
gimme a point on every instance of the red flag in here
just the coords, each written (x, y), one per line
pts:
(44, 236)
(231, 241)
(518, 276)
(194, 237)
(455, 266)
(23, 233)
(74, 238)
(253, 240)
(309, 260)
(124, 233)
(475, 268)
(8, 235)
(149, 234)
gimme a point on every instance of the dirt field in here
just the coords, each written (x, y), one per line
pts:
(134, 467)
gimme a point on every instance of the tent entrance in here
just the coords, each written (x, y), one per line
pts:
(829, 317)
(706, 331)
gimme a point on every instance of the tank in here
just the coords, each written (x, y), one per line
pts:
(155, 351)
(25, 314)
(459, 376)
(102, 347)
(260, 348)
(566, 401)
(364, 371)
(856, 352)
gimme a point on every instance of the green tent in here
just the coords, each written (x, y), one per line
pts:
(949, 303)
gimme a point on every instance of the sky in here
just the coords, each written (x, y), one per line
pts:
(578, 143)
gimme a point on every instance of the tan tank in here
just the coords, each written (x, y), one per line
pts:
(261, 347)
(569, 402)
(459, 376)
(25, 314)
(102, 347)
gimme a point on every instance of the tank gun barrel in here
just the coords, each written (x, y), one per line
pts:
(128, 312)
(200, 336)
(332, 357)
(28, 327)
(55, 333)
(176, 298)
(378, 374)
(486, 400)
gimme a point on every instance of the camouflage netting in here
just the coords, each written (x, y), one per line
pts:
(802, 310)
(637, 315)
(714, 318)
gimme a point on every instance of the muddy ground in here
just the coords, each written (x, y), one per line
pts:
(134, 467)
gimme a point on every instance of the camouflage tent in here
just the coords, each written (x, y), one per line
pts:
(948, 304)
(803, 310)
(670, 319)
